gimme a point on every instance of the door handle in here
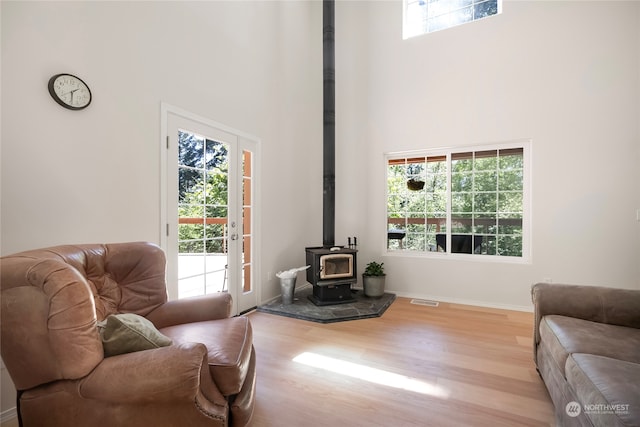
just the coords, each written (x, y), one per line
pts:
(234, 236)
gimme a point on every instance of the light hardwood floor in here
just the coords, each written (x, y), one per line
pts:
(453, 365)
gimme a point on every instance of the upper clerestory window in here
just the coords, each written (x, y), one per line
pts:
(427, 16)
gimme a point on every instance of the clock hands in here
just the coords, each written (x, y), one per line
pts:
(71, 92)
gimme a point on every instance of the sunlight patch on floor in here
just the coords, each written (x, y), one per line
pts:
(372, 375)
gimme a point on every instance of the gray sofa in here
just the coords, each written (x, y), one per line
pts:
(587, 351)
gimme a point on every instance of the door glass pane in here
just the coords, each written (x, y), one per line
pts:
(202, 214)
(247, 204)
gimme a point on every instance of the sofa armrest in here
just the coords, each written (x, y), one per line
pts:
(166, 374)
(194, 309)
(595, 303)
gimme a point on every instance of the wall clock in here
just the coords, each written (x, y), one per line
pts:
(69, 91)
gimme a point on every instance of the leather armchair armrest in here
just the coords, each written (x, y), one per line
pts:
(595, 303)
(194, 309)
(166, 374)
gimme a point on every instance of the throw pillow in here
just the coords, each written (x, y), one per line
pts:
(128, 332)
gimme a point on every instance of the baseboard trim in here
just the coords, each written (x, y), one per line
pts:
(8, 415)
(463, 301)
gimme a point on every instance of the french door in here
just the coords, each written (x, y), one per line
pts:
(210, 230)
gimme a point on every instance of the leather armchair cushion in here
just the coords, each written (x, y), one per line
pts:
(128, 332)
(229, 347)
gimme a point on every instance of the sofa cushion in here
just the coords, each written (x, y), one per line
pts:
(567, 335)
(229, 346)
(128, 332)
(608, 389)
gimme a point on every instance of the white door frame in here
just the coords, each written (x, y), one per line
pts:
(241, 301)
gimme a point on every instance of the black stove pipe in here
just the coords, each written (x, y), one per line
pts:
(329, 124)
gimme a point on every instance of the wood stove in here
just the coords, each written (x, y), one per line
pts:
(332, 272)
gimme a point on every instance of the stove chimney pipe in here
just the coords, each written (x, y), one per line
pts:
(329, 124)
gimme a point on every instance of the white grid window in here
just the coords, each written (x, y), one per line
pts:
(427, 16)
(472, 201)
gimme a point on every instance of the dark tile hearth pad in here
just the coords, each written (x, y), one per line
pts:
(362, 308)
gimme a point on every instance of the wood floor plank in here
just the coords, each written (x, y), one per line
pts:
(454, 365)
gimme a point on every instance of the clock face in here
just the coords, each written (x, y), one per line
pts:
(69, 91)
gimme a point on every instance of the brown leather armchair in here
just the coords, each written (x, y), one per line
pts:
(51, 302)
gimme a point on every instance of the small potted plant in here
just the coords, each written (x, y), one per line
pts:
(373, 279)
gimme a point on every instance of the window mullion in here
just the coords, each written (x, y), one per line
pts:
(449, 192)
(497, 213)
(473, 203)
(406, 209)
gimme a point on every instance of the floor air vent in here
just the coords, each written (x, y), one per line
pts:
(426, 302)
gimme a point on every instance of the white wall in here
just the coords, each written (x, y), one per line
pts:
(566, 75)
(93, 175)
